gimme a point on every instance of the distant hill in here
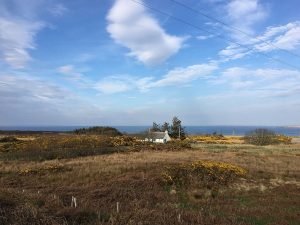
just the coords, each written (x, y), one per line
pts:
(107, 131)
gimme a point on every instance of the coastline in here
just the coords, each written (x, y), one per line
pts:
(190, 130)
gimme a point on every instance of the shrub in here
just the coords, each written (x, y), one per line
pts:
(265, 137)
(8, 139)
(282, 139)
(124, 141)
(58, 147)
(179, 144)
(202, 173)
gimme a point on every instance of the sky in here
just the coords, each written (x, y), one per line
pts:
(132, 62)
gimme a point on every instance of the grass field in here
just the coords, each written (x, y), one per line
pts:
(117, 184)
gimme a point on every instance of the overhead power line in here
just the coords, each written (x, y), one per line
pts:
(212, 33)
(231, 27)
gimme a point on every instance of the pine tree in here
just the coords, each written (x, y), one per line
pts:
(165, 127)
(155, 127)
(176, 129)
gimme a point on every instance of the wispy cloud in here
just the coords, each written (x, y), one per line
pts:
(26, 88)
(286, 37)
(19, 27)
(261, 82)
(179, 76)
(31, 101)
(70, 72)
(17, 37)
(58, 10)
(175, 77)
(283, 37)
(204, 37)
(113, 85)
(243, 14)
(76, 75)
(234, 51)
(130, 25)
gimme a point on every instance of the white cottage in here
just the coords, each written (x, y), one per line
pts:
(158, 137)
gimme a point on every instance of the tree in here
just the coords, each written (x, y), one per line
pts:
(260, 137)
(155, 127)
(107, 131)
(165, 127)
(177, 131)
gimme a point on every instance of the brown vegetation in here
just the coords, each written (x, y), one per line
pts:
(40, 192)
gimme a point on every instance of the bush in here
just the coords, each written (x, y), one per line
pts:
(58, 147)
(8, 139)
(124, 141)
(202, 173)
(265, 137)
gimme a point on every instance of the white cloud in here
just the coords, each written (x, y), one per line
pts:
(26, 100)
(262, 82)
(76, 75)
(184, 75)
(25, 88)
(122, 83)
(130, 25)
(58, 10)
(19, 26)
(285, 37)
(204, 37)
(234, 51)
(113, 85)
(243, 14)
(17, 37)
(70, 72)
(175, 77)
(108, 85)
(67, 69)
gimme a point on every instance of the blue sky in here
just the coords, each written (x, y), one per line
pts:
(118, 62)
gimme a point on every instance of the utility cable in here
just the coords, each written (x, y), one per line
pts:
(207, 31)
(231, 27)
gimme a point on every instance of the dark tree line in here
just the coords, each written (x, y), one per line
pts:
(175, 130)
(107, 131)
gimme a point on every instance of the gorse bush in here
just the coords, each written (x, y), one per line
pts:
(214, 139)
(202, 173)
(124, 141)
(60, 147)
(265, 137)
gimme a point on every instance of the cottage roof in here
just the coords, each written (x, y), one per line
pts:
(157, 135)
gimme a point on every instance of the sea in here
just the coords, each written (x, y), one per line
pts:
(191, 130)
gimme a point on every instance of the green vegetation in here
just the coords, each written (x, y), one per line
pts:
(265, 137)
(176, 130)
(107, 131)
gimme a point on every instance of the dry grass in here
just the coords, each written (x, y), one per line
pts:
(217, 139)
(39, 192)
